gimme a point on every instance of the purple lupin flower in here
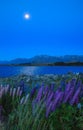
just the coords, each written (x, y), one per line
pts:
(69, 95)
(68, 86)
(56, 93)
(75, 96)
(55, 102)
(33, 91)
(49, 93)
(39, 95)
(61, 99)
(79, 84)
(48, 109)
(73, 82)
(46, 90)
(49, 98)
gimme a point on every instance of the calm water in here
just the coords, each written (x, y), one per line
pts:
(6, 71)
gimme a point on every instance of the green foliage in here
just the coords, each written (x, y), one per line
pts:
(22, 117)
(64, 118)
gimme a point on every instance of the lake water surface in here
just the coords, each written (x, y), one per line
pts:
(7, 71)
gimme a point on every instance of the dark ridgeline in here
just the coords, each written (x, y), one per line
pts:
(45, 60)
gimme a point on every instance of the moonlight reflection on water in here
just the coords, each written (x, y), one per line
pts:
(7, 71)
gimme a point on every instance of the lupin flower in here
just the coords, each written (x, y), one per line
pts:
(48, 109)
(75, 96)
(11, 89)
(55, 102)
(22, 100)
(39, 95)
(14, 92)
(67, 88)
(56, 93)
(61, 99)
(79, 84)
(18, 91)
(7, 88)
(1, 86)
(26, 98)
(69, 95)
(73, 82)
(49, 98)
(46, 90)
(2, 92)
(33, 91)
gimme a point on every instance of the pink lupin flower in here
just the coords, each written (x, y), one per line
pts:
(1, 86)
(2, 92)
(18, 91)
(14, 92)
(7, 88)
(11, 89)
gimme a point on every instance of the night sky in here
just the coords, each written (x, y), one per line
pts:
(55, 27)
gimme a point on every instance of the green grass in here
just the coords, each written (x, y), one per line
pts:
(23, 117)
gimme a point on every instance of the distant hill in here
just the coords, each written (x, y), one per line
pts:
(45, 59)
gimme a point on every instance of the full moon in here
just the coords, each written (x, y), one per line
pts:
(26, 16)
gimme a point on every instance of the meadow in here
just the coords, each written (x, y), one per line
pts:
(48, 102)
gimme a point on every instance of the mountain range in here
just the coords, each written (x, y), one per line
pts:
(44, 59)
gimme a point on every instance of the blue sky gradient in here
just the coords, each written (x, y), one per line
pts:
(55, 27)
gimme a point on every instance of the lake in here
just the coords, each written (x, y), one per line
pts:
(7, 71)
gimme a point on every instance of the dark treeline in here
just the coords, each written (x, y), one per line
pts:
(46, 64)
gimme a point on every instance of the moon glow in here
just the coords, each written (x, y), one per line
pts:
(27, 16)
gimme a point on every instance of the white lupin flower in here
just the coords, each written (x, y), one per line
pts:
(22, 100)
(26, 98)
